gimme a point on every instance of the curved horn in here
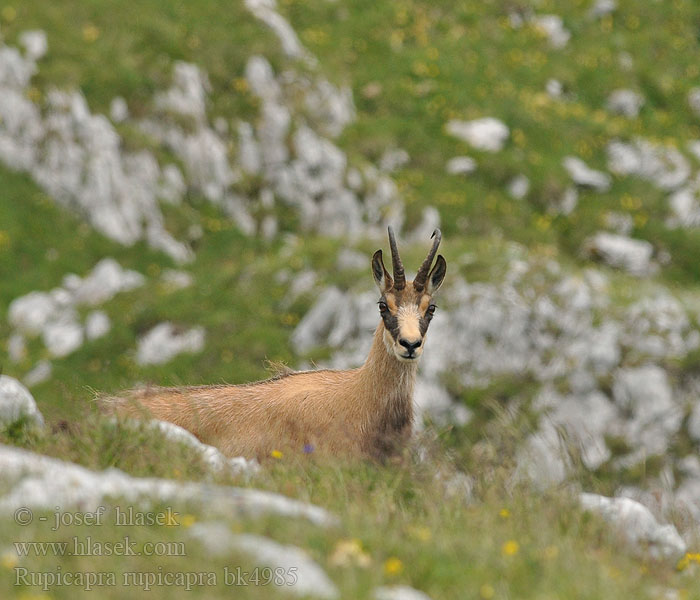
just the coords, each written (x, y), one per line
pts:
(422, 275)
(399, 274)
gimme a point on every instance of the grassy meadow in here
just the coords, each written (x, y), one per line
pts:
(412, 66)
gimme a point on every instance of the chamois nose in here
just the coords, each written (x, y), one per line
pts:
(410, 345)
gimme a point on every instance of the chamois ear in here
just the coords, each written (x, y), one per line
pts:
(437, 275)
(381, 275)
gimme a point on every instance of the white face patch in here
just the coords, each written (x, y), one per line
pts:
(408, 319)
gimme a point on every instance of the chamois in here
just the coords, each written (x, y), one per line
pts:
(366, 411)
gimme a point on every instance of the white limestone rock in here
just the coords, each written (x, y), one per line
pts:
(625, 102)
(637, 526)
(553, 27)
(488, 134)
(306, 577)
(694, 100)
(16, 347)
(398, 592)
(106, 280)
(30, 313)
(40, 373)
(602, 8)
(35, 43)
(394, 159)
(265, 10)
(16, 403)
(97, 325)
(621, 252)
(583, 175)
(118, 110)
(663, 166)
(460, 165)
(63, 335)
(212, 456)
(165, 341)
(518, 187)
(645, 393)
(176, 279)
(44, 483)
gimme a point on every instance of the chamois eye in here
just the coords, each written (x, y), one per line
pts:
(431, 310)
(383, 307)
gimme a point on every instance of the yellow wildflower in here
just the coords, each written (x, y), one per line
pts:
(486, 591)
(188, 520)
(510, 548)
(276, 454)
(504, 513)
(90, 33)
(393, 566)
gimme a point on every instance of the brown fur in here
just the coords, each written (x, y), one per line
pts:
(366, 411)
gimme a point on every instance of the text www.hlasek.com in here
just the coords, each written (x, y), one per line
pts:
(87, 546)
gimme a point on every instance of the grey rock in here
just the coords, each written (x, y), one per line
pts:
(584, 176)
(291, 46)
(398, 592)
(641, 531)
(351, 260)
(621, 223)
(602, 8)
(553, 27)
(97, 325)
(694, 422)
(35, 43)
(332, 108)
(393, 160)
(17, 403)
(665, 167)
(554, 88)
(16, 347)
(685, 206)
(162, 343)
(310, 581)
(176, 279)
(460, 165)
(518, 187)
(212, 456)
(40, 482)
(248, 150)
(106, 280)
(624, 102)
(30, 313)
(488, 134)
(40, 373)
(645, 393)
(621, 252)
(63, 335)
(694, 100)
(118, 110)
(187, 95)
(172, 185)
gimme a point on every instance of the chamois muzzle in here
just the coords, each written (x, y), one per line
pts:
(422, 275)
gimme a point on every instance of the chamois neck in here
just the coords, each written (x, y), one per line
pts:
(384, 374)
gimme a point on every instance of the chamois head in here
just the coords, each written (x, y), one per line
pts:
(406, 307)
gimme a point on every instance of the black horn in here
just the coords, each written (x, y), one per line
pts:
(399, 273)
(422, 275)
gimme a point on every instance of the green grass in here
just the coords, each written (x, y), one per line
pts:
(507, 538)
(433, 61)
